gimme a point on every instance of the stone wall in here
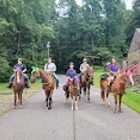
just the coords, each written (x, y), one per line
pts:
(134, 57)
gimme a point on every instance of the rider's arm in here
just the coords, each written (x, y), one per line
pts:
(81, 68)
(53, 70)
(24, 70)
(71, 79)
(111, 72)
(45, 67)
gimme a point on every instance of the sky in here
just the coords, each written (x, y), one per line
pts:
(128, 3)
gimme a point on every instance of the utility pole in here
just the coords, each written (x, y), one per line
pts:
(48, 46)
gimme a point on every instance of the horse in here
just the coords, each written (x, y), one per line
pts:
(73, 93)
(48, 84)
(117, 87)
(18, 85)
(86, 81)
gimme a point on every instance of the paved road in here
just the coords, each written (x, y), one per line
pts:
(92, 122)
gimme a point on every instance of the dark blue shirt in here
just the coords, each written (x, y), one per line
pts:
(21, 66)
(71, 73)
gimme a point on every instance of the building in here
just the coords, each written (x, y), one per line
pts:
(134, 50)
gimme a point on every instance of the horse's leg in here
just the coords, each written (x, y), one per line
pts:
(20, 100)
(84, 89)
(102, 92)
(15, 98)
(88, 98)
(71, 101)
(80, 89)
(47, 97)
(67, 95)
(107, 97)
(50, 99)
(115, 99)
(76, 104)
(120, 100)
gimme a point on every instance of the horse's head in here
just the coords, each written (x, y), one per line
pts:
(89, 74)
(76, 82)
(34, 75)
(128, 75)
(18, 74)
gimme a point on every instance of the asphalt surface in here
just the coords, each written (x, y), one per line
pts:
(92, 122)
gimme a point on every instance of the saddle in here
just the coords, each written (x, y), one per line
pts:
(104, 76)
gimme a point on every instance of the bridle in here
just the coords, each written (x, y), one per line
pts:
(38, 75)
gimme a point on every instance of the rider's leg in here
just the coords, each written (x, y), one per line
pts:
(10, 81)
(26, 81)
(57, 80)
(80, 75)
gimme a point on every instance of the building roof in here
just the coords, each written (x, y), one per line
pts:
(135, 44)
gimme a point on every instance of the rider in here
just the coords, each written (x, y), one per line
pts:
(83, 67)
(71, 74)
(114, 69)
(24, 69)
(51, 67)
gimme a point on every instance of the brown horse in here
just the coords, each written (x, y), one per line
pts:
(118, 88)
(73, 90)
(18, 85)
(86, 81)
(48, 84)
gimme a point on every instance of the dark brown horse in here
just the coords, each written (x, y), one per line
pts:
(73, 91)
(48, 84)
(18, 85)
(86, 81)
(118, 88)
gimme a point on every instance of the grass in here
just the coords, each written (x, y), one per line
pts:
(131, 99)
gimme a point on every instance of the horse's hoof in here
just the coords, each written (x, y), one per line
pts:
(46, 109)
(49, 107)
(72, 109)
(14, 107)
(103, 103)
(109, 105)
(21, 106)
(66, 102)
(89, 101)
(116, 112)
(76, 109)
(120, 111)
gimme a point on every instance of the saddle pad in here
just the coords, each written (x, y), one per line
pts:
(104, 76)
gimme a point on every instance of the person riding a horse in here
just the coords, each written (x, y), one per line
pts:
(51, 68)
(83, 68)
(114, 69)
(71, 74)
(23, 69)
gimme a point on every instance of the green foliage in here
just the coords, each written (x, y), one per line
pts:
(97, 30)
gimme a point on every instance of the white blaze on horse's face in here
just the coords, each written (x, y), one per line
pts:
(18, 78)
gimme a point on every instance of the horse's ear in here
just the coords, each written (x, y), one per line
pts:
(132, 70)
(126, 70)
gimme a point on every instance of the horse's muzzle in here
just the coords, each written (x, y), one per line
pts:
(32, 79)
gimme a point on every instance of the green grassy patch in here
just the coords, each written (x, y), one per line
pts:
(131, 99)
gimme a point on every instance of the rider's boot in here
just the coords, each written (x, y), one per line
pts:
(9, 86)
(57, 86)
(26, 85)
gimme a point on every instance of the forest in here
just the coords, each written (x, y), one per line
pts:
(98, 30)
